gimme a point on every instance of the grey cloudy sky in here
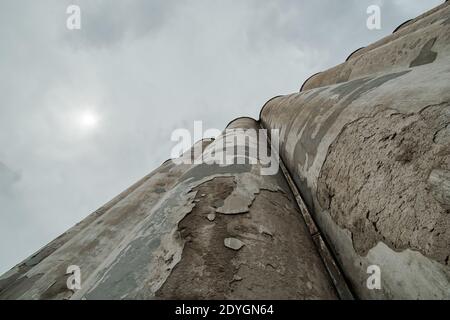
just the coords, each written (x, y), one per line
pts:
(144, 68)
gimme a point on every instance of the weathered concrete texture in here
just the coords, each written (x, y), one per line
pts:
(256, 247)
(271, 255)
(415, 44)
(368, 147)
(89, 243)
(376, 182)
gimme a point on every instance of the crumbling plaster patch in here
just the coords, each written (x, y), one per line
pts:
(375, 182)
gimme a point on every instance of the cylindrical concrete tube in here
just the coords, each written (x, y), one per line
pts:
(370, 155)
(412, 45)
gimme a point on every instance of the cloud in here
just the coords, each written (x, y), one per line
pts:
(108, 23)
(7, 178)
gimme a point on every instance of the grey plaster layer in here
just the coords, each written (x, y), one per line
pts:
(256, 247)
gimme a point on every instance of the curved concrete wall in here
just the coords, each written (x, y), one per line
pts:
(370, 153)
(414, 44)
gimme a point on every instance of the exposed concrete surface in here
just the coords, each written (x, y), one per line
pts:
(257, 246)
(404, 275)
(439, 186)
(264, 254)
(375, 183)
(368, 147)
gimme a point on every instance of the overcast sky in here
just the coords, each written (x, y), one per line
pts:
(86, 113)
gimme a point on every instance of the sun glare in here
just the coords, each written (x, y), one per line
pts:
(88, 120)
